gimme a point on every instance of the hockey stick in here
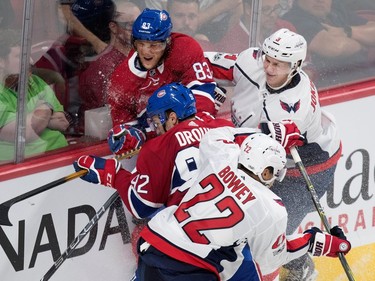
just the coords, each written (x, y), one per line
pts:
(318, 207)
(80, 236)
(4, 207)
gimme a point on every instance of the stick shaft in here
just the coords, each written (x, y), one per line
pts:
(80, 237)
(4, 207)
(48, 186)
(319, 208)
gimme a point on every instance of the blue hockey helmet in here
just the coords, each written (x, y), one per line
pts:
(152, 25)
(175, 97)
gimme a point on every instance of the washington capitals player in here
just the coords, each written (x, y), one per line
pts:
(159, 57)
(270, 85)
(228, 208)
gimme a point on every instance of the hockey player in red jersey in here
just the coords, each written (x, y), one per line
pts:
(227, 209)
(164, 163)
(167, 163)
(159, 57)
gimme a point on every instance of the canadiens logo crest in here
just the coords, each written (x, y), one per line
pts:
(290, 107)
(161, 93)
(163, 16)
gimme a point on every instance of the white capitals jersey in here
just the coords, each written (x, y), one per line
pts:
(253, 102)
(223, 212)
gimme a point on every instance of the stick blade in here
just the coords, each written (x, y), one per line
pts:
(4, 211)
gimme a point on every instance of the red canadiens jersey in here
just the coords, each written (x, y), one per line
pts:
(164, 166)
(131, 86)
(224, 211)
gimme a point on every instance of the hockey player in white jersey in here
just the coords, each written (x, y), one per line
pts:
(229, 208)
(270, 85)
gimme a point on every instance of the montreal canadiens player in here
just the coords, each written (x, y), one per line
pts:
(270, 85)
(164, 163)
(229, 208)
(160, 57)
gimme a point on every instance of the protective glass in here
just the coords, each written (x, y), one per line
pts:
(127, 25)
(268, 10)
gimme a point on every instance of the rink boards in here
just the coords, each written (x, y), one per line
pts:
(43, 224)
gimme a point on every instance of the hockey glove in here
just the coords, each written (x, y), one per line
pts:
(100, 170)
(123, 139)
(324, 244)
(285, 132)
(220, 97)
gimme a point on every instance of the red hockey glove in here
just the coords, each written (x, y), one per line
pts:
(100, 170)
(324, 244)
(123, 139)
(285, 132)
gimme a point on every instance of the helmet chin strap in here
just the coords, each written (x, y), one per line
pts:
(267, 183)
(291, 74)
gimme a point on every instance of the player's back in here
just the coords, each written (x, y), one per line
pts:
(171, 160)
(218, 217)
(221, 213)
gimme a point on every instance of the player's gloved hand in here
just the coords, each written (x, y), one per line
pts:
(123, 139)
(324, 244)
(285, 132)
(220, 97)
(100, 170)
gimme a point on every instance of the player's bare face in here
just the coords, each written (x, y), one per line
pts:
(150, 52)
(157, 125)
(276, 71)
(168, 124)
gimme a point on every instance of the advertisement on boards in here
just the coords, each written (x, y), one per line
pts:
(44, 226)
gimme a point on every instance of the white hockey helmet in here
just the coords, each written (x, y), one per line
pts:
(285, 45)
(259, 151)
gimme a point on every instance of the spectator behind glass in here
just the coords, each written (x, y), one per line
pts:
(70, 53)
(93, 81)
(237, 39)
(89, 19)
(45, 119)
(185, 17)
(338, 40)
(215, 17)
